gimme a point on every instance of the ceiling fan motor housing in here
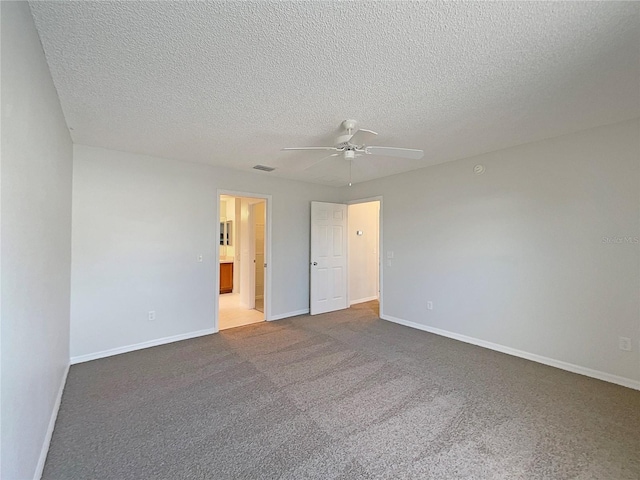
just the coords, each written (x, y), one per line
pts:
(349, 125)
(354, 142)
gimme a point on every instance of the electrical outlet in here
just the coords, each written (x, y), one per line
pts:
(390, 254)
(152, 316)
(624, 343)
(429, 305)
(388, 262)
(199, 258)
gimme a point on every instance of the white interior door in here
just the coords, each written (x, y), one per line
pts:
(259, 231)
(247, 267)
(328, 257)
(252, 256)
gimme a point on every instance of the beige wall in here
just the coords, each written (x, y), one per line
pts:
(363, 251)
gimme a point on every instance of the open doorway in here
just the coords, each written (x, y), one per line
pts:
(345, 256)
(364, 255)
(242, 260)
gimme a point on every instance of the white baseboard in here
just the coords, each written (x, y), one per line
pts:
(607, 377)
(52, 423)
(139, 346)
(304, 311)
(362, 300)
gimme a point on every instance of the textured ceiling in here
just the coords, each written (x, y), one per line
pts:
(231, 83)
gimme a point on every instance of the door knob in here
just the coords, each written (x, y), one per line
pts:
(315, 263)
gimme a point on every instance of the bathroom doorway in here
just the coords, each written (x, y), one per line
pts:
(242, 260)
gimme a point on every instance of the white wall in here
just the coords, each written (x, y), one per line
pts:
(518, 256)
(36, 247)
(363, 251)
(139, 223)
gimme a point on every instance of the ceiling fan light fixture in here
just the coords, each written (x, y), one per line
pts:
(354, 142)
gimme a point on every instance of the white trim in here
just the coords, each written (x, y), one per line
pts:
(52, 423)
(362, 300)
(570, 367)
(304, 311)
(140, 346)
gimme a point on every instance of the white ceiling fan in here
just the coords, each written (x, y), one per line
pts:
(354, 143)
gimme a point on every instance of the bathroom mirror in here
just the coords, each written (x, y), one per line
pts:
(225, 232)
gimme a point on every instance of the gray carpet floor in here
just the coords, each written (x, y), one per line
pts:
(343, 395)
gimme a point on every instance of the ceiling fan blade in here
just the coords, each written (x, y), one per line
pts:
(310, 148)
(318, 161)
(362, 136)
(395, 152)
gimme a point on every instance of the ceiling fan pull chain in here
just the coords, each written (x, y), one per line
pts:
(350, 167)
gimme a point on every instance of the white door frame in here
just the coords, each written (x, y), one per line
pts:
(267, 254)
(380, 247)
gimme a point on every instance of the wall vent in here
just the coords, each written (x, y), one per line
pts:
(264, 168)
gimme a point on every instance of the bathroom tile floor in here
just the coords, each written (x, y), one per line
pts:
(232, 314)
